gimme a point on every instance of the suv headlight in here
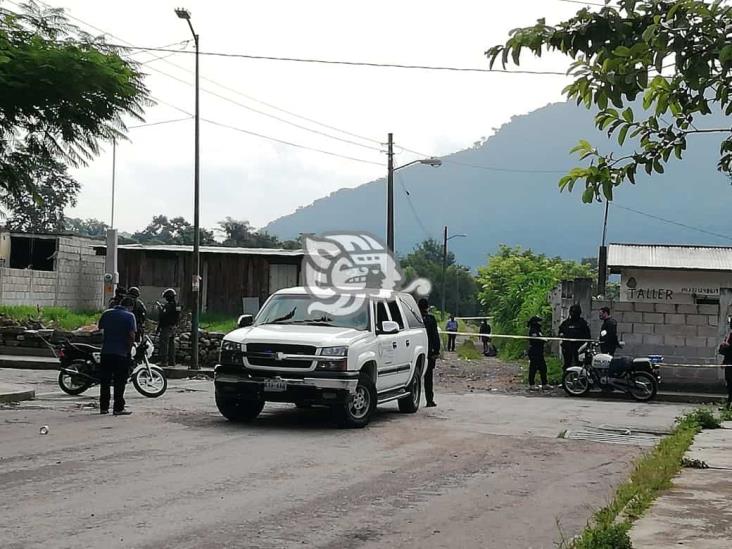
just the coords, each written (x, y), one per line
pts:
(230, 352)
(334, 351)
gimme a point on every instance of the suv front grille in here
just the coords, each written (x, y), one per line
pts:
(263, 354)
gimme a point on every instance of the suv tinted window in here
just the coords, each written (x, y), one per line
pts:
(381, 314)
(396, 316)
(411, 312)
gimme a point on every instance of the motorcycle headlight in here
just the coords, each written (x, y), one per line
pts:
(334, 351)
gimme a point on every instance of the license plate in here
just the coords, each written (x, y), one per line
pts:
(275, 385)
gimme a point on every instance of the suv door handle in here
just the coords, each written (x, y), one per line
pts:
(393, 344)
(407, 343)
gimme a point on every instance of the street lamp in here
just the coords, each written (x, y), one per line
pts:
(444, 263)
(434, 162)
(183, 13)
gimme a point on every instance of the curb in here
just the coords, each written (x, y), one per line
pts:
(17, 395)
(185, 373)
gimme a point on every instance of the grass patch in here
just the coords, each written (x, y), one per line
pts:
(468, 351)
(212, 322)
(652, 475)
(51, 317)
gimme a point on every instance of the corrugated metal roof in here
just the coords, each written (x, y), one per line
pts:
(658, 256)
(212, 250)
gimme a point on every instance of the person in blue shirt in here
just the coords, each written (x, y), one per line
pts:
(119, 328)
(451, 326)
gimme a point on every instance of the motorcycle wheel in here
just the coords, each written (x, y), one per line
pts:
(642, 386)
(71, 384)
(575, 384)
(151, 385)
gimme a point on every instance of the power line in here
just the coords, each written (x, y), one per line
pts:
(248, 132)
(347, 63)
(411, 206)
(160, 123)
(583, 3)
(671, 222)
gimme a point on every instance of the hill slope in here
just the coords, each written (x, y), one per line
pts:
(525, 207)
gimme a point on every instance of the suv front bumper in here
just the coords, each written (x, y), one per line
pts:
(239, 382)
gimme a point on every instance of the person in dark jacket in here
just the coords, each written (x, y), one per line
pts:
(167, 323)
(139, 310)
(574, 327)
(119, 295)
(609, 341)
(725, 349)
(433, 340)
(537, 363)
(118, 325)
(485, 328)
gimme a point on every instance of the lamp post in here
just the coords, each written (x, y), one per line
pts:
(183, 13)
(444, 264)
(434, 162)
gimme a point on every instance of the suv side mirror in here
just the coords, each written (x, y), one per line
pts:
(389, 327)
(244, 321)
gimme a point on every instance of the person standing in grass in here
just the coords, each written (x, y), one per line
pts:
(485, 330)
(451, 326)
(725, 349)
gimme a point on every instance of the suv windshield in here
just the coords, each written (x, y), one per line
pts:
(293, 309)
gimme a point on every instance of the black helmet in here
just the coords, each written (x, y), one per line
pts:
(134, 292)
(534, 320)
(170, 293)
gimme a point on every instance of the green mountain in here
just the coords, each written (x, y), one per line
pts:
(505, 192)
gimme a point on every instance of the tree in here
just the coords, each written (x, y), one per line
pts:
(42, 211)
(91, 228)
(63, 91)
(240, 234)
(674, 54)
(515, 284)
(177, 230)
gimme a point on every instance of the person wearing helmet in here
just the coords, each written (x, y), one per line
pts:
(119, 295)
(139, 310)
(167, 323)
(537, 363)
(574, 327)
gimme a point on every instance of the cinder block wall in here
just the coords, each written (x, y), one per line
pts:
(683, 334)
(76, 283)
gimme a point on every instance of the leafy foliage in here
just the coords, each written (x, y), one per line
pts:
(425, 261)
(62, 92)
(514, 286)
(92, 228)
(42, 211)
(177, 230)
(675, 55)
(241, 234)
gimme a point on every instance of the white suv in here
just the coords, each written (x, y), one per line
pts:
(350, 363)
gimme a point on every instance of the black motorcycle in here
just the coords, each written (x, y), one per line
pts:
(80, 364)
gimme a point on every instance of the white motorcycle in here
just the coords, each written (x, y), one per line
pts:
(637, 377)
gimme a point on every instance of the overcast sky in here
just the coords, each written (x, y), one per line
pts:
(250, 178)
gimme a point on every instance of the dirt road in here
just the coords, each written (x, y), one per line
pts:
(481, 470)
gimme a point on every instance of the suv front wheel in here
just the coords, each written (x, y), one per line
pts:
(239, 410)
(356, 410)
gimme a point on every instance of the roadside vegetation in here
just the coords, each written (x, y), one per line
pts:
(652, 475)
(212, 322)
(50, 317)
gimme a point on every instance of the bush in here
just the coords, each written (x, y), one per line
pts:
(705, 418)
(612, 536)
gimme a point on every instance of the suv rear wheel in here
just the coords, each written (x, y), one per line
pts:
(238, 410)
(356, 410)
(410, 404)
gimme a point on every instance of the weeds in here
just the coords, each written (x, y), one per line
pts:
(468, 351)
(212, 322)
(50, 317)
(651, 475)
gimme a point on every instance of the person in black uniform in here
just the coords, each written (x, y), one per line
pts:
(139, 310)
(609, 342)
(574, 327)
(537, 363)
(119, 295)
(167, 323)
(725, 349)
(433, 340)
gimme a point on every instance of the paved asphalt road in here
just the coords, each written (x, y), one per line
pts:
(481, 470)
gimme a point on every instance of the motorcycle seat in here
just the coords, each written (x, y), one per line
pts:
(84, 347)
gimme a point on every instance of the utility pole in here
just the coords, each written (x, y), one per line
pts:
(114, 172)
(390, 194)
(183, 13)
(602, 258)
(444, 270)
